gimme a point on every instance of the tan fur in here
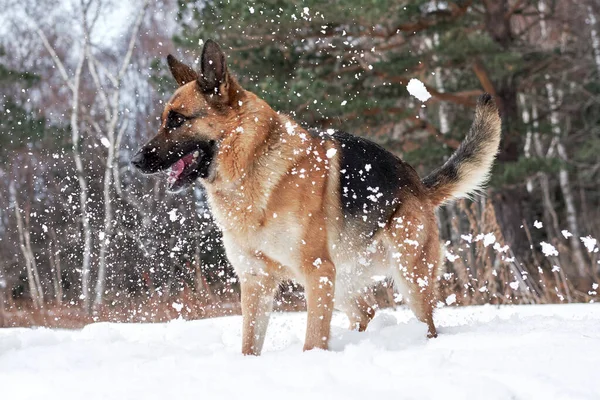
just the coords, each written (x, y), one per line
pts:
(468, 169)
(276, 196)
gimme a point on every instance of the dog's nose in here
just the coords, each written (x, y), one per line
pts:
(138, 160)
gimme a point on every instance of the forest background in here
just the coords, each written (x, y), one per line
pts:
(83, 237)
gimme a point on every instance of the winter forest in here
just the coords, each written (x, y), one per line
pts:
(85, 238)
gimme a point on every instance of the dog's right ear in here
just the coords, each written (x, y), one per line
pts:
(213, 73)
(181, 72)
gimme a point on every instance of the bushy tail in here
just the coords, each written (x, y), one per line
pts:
(468, 169)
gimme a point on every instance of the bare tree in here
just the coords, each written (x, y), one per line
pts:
(33, 277)
(110, 98)
(74, 84)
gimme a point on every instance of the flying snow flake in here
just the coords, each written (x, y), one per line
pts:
(538, 224)
(330, 153)
(317, 263)
(489, 239)
(451, 299)
(566, 233)
(344, 103)
(105, 142)
(514, 285)
(251, 10)
(290, 128)
(368, 167)
(417, 89)
(500, 249)
(548, 249)
(173, 215)
(589, 243)
(44, 227)
(451, 257)
(468, 238)
(177, 306)
(411, 242)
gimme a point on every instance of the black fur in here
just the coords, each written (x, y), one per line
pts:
(370, 195)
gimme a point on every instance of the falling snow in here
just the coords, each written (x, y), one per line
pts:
(548, 249)
(417, 89)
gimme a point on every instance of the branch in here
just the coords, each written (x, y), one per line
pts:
(513, 9)
(483, 77)
(132, 40)
(412, 27)
(55, 58)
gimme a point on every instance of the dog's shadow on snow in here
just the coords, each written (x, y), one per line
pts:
(384, 332)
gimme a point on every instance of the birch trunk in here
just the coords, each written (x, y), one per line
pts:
(3, 286)
(565, 185)
(83, 189)
(33, 278)
(554, 100)
(54, 258)
(74, 84)
(595, 38)
(525, 116)
(112, 107)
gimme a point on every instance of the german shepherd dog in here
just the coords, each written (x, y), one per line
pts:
(323, 208)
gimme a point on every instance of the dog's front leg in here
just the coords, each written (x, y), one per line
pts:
(319, 288)
(257, 302)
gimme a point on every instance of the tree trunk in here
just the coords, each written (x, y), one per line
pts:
(595, 38)
(112, 107)
(498, 27)
(74, 85)
(33, 279)
(2, 302)
(554, 100)
(54, 258)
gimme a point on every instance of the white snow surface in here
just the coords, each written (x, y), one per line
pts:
(511, 352)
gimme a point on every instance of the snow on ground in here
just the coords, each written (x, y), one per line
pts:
(518, 352)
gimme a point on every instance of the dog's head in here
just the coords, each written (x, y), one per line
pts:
(194, 121)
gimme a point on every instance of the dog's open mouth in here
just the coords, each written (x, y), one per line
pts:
(182, 167)
(190, 167)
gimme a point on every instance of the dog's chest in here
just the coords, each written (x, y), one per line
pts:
(248, 226)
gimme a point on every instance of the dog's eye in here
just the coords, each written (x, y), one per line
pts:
(175, 120)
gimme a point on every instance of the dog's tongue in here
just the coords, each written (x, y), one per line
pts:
(177, 169)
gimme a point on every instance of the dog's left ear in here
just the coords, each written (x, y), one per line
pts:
(214, 77)
(180, 71)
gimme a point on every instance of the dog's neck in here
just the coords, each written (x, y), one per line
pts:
(255, 140)
(251, 161)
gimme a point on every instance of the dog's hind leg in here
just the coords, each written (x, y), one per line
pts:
(415, 258)
(359, 312)
(416, 283)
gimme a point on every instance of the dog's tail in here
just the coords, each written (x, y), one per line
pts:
(468, 169)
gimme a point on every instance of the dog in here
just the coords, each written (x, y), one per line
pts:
(326, 209)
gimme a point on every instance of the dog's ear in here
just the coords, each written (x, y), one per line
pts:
(213, 70)
(181, 72)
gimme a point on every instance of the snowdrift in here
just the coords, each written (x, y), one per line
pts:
(517, 352)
